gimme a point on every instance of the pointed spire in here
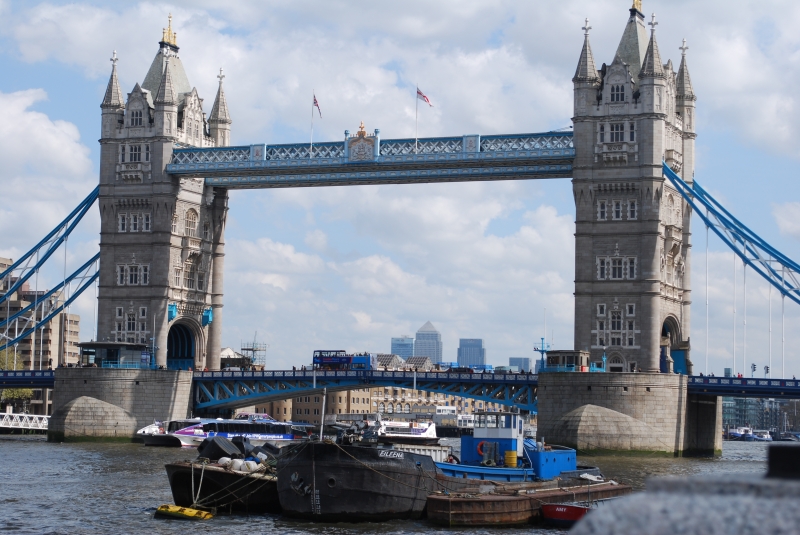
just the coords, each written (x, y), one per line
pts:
(113, 98)
(586, 71)
(219, 112)
(166, 91)
(684, 83)
(651, 66)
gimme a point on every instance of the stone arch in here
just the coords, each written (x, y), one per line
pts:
(381, 407)
(670, 348)
(407, 408)
(390, 408)
(185, 343)
(616, 363)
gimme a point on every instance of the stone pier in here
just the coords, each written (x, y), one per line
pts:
(647, 412)
(109, 404)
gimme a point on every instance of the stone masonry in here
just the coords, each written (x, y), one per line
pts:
(627, 411)
(115, 403)
(161, 238)
(632, 237)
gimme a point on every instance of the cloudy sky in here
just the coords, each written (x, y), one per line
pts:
(351, 267)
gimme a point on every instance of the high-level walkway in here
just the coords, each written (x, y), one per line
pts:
(391, 161)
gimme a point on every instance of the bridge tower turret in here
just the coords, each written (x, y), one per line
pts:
(162, 238)
(632, 249)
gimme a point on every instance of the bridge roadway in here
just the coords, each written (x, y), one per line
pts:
(392, 161)
(225, 390)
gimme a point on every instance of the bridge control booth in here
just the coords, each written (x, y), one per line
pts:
(114, 355)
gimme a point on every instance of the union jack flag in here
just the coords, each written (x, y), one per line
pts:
(316, 105)
(423, 98)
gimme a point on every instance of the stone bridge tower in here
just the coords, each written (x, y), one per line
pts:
(633, 236)
(161, 238)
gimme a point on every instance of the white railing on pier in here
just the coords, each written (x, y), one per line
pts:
(24, 421)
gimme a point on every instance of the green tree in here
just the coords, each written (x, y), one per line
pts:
(14, 395)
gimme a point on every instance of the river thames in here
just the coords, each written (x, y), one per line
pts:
(115, 488)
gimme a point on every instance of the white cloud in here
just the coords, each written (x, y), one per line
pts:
(787, 215)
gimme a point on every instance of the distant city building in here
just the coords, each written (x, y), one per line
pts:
(428, 343)
(471, 352)
(403, 346)
(49, 347)
(521, 363)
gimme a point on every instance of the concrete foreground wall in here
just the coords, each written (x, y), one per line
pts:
(627, 411)
(114, 403)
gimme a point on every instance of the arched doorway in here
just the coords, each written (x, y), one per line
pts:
(673, 356)
(616, 364)
(181, 347)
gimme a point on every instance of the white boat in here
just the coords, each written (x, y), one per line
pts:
(407, 432)
(257, 430)
(762, 436)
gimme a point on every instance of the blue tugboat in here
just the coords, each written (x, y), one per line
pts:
(498, 451)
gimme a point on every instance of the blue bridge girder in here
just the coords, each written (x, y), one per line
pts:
(744, 387)
(27, 379)
(396, 161)
(229, 390)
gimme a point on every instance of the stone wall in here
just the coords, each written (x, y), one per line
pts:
(644, 411)
(86, 400)
(703, 425)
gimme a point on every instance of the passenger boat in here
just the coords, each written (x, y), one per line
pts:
(259, 431)
(563, 514)
(330, 482)
(740, 433)
(161, 433)
(762, 436)
(391, 432)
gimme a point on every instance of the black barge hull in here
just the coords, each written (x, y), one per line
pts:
(326, 482)
(226, 490)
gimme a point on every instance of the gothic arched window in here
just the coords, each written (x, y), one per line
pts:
(670, 211)
(190, 223)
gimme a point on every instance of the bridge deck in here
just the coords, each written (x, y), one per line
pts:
(394, 161)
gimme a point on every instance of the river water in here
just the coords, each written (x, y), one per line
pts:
(115, 488)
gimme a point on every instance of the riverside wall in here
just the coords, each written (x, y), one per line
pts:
(103, 404)
(649, 412)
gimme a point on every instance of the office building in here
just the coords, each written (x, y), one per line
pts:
(471, 352)
(403, 346)
(428, 343)
(520, 363)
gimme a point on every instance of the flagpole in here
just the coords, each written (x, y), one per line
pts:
(311, 146)
(416, 115)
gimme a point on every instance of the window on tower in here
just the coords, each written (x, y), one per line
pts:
(122, 222)
(601, 210)
(617, 132)
(617, 209)
(601, 269)
(616, 321)
(190, 224)
(602, 133)
(135, 152)
(616, 268)
(632, 131)
(136, 118)
(631, 209)
(617, 93)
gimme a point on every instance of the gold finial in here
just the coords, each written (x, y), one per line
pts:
(361, 131)
(637, 5)
(167, 35)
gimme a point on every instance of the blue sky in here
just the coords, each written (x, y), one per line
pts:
(351, 267)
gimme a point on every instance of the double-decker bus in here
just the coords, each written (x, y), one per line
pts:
(326, 359)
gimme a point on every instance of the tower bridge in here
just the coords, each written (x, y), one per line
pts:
(166, 169)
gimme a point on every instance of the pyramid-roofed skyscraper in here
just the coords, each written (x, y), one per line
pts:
(428, 343)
